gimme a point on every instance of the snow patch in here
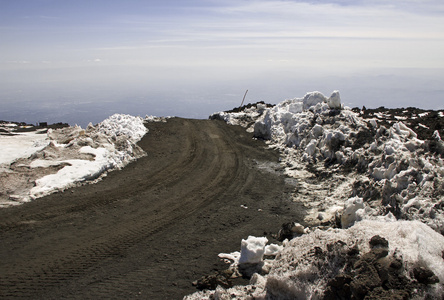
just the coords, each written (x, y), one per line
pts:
(70, 155)
(21, 145)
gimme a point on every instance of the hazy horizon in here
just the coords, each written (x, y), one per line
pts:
(79, 62)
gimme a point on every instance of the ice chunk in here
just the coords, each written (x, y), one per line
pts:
(252, 250)
(351, 207)
(402, 130)
(317, 131)
(295, 107)
(374, 123)
(298, 228)
(234, 256)
(273, 249)
(311, 148)
(313, 98)
(335, 100)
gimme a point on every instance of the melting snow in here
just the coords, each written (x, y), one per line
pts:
(20, 145)
(70, 155)
(305, 265)
(390, 165)
(354, 173)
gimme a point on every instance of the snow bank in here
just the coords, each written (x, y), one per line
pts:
(297, 271)
(371, 177)
(112, 143)
(308, 131)
(129, 127)
(310, 266)
(388, 166)
(73, 155)
(76, 170)
(244, 117)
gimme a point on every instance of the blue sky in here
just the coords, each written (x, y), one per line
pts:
(190, 58)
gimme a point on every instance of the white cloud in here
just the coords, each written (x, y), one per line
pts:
(223, 39)
(330, 19)
(245, 32)
(320, 33)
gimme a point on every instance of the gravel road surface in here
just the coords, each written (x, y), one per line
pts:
(148, 231)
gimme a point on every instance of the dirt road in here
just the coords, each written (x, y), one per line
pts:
(149, 230)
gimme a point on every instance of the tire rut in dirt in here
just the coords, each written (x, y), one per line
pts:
(217, 170)
(173, 172)
(107, 239)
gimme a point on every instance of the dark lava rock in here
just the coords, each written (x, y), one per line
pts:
(286, 232)
(364, 136)
(249, 105)
(375, 275)
(365, 278)
(423, 122)
(338, 288)
(353, 251)
(434, 146)
(210, 282)
(378, 242)
(382, 294)
(425, 276)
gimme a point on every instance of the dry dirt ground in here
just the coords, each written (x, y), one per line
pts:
(148, 231)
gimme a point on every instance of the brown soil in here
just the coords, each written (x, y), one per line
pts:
(147, 231)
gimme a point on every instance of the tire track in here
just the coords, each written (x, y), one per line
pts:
(50, 272)
(133, 279)
(171, 174)
(104, 240)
